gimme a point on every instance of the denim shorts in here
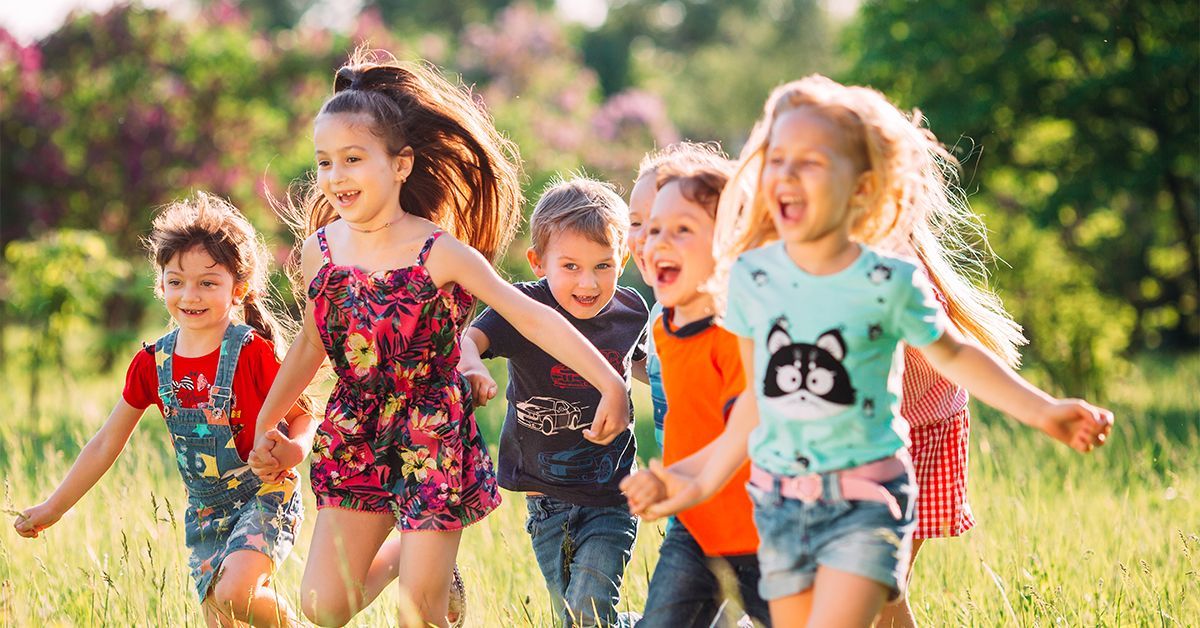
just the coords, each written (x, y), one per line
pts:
(858, 537)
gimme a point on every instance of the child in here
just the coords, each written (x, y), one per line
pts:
(208, 377)
(820, 315)
(415, 192)
(581, 529)
(641, 198)
(702, 374)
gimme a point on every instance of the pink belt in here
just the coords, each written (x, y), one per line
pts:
(861, 483)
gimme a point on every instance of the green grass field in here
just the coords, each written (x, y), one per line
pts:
(1109, 539)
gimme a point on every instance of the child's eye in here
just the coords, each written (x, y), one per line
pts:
(653, 230)
(604, 266)
(352, 159)
(322, 163)
(571, 266)
(208, 284)
(174, 282)
(635, 225)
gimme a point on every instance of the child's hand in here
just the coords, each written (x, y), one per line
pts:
(683, 492)
(31, 522)
(1077, 423)
(262, 459)
(612, 418)
(483, 387)
(642, 490)
(287, 452)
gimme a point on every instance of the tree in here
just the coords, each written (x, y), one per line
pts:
(1087, 117)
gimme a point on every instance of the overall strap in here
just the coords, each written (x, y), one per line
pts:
(236, 337)
(324, 244)
(424, 254)
(164, 350)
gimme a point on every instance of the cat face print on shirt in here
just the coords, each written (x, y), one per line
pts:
(805, 382)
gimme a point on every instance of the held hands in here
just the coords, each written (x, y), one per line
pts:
(660, 492)
(483, 387)
(612, 418)
(31, 522)
(274, 455)
(1076, 423)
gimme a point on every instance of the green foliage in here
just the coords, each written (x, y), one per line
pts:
(1077, 333)
(1087, 116)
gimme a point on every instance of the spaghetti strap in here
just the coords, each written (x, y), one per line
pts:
(324, 244)
(424, 254)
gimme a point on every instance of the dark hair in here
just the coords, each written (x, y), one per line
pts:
(700, 182)
(465, 174)
(213, 224)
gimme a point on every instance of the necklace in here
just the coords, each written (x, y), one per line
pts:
(380, 228)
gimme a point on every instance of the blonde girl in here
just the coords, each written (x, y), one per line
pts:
(831, 175)
(415, 193)
(208, 377)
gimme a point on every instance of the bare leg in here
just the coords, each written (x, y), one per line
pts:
(383, 571)
(216, 617)
(241, 593)
(792, 611)
(429, 557)
(845, 599)
(897, 613)
(344, 548)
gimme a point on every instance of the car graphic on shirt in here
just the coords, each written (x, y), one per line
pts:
(550, 416)
(582, 465)
(564, 376)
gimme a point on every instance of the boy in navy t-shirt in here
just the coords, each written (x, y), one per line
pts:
(580, 525)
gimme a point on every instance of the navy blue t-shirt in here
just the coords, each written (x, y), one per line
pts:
(542, 447)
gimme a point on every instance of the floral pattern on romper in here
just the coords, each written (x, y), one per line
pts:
(399, 435)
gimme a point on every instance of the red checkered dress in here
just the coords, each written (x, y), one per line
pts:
(936, 410)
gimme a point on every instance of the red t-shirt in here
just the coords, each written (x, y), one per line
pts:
(193, 378)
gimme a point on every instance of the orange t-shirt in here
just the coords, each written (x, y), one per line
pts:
(702, 376)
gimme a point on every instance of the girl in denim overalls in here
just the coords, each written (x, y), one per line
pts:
(208, 377)
(828, 174)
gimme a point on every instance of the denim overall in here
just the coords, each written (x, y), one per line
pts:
(229, 509)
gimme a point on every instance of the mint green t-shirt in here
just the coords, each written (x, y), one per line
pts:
(827, 355)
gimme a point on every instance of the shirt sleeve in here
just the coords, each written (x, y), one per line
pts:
(918, 315)
(728, 360)
(499, 333)
(259, 360)
(141, 381)
(735, 319)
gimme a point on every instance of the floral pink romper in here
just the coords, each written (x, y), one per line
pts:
(399, 435)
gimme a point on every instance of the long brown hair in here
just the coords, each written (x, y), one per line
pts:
(465, 175)
(916, 207)
(215, 225)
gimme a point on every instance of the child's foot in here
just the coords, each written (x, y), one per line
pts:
(457, 612)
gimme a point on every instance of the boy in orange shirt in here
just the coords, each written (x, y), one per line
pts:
(702, 376)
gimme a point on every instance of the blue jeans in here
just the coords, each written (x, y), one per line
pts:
(688, 589)
(582, 552)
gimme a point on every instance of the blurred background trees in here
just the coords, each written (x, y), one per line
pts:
(1076, 124)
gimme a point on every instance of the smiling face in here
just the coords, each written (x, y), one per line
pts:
(809, 178)
(679, 252)
(200, 294)
(641, 199)
(355, 171)
(582, 273)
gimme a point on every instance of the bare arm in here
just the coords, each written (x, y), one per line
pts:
(451, 261)
(470, 363)
(639, 371)
(93, 462)
(1071, 421)
(301, 363)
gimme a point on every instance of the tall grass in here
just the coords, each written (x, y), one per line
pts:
(1108, 539)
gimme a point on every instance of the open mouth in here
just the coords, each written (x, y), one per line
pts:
(346, 198)
(192, 312)
(791, 208)
(666, 272)
(586, 301)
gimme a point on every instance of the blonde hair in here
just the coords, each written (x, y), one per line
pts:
(465, 175)
(580, 205)
(706, 153)
(700, 182)
(915, 207)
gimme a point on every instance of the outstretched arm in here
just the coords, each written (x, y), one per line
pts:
(1074, 422)
(93, 462)
(451, 261)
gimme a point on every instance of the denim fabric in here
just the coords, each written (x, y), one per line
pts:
(582, 552)
(858, 537)
(686, 590)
